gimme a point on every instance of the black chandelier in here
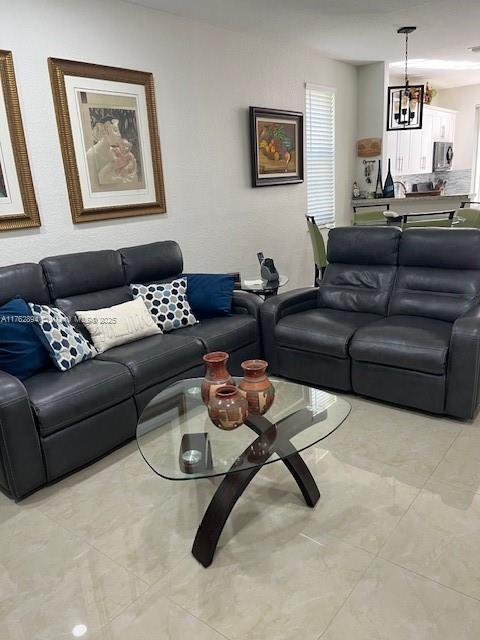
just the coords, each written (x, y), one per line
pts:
(405, 102)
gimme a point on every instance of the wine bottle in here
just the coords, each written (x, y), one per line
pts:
(379, 188)
(388, 187)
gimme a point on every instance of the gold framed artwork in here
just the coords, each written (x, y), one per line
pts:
(108, 131)
(18, 206)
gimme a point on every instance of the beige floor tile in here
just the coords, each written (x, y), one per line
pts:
(267, 590)
(358, 505)
(410, 442)
(153, 543)
(51, 581)
(111, 493)
(153, 617)
(461, 465)
(439, 538)
(390, 603)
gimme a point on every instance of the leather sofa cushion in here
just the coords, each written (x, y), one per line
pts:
(443, 294)
(357, 287)
(59, 399)
(364, 245)
(154, 262)
(440, 248)
(76, 273)
(157, 358)
(225, 333)
(406, 342)
(325, 331)
(25, 280)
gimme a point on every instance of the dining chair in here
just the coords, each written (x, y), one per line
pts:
(370, 214)
(318, 246)
(439, 222)
(468, 216)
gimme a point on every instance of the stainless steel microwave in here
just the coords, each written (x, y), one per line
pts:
(442, 156)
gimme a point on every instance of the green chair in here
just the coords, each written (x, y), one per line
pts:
(370, 214)
(318, 246)
(440, 222)
(468, 216)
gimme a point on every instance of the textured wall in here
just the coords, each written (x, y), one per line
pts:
(205, 80)
(463, 100)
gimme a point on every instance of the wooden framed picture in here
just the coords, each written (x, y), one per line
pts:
(18, 206)
(107, 124)
(277, 146)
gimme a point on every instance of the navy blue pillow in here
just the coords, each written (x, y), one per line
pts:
(210, 294)
(21, 352)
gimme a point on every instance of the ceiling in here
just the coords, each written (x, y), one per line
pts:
(356, 31)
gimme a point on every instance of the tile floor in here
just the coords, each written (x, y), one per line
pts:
(391, 552)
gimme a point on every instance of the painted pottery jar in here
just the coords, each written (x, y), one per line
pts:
(256, 387)
(228, 408)
(216, 375)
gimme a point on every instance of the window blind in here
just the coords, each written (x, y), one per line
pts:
(320, 154)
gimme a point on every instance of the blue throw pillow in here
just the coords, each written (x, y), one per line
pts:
(21, 352)
(210, 294)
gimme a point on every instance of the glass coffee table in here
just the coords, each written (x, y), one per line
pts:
(179, 442)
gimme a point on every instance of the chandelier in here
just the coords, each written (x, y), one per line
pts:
(405, 102)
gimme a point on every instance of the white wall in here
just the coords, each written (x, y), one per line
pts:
(205, 80)
(371, 116)
(463, 100)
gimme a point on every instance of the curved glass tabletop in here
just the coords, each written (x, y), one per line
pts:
(263, 286)
(179, 441)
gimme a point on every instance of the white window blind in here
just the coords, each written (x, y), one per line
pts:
(320, 155)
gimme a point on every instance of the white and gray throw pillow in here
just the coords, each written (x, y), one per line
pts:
(167, 303)
(119, 324)
(66, 346)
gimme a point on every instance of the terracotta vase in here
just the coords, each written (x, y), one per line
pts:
(256, 387)
(228, 408)
(216, 375)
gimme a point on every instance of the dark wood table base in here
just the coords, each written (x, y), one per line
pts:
(234, 484)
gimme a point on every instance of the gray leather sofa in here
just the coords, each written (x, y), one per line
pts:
(396, 317)
(53, 423)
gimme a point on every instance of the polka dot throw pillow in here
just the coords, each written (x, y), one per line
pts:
(167, 303)
(66, 346)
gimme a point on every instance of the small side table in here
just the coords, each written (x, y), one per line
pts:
(262, 287)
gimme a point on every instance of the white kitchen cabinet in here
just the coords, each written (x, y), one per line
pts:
(411, 151)
(443, 123)
(426, 143)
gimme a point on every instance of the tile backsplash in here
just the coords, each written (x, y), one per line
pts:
(458, 182)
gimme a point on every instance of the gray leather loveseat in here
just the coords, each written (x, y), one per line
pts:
(396, 317)
(53, 423)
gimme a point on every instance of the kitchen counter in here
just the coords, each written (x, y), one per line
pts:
(443, 201)
(416, 204)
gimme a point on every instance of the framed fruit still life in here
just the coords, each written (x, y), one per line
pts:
(277, 146)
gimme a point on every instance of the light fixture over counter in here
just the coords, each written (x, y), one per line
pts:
(405, 102)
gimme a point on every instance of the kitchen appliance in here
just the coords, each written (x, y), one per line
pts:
(442, 156)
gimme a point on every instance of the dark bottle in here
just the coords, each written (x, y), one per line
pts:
(379, 188)
(388, 188)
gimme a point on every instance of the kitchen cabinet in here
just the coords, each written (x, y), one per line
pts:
(411, 151)
(443, 124)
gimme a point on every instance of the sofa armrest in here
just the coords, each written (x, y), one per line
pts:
(276, 308)
(247, 303)
(463, 372)
(21, 463)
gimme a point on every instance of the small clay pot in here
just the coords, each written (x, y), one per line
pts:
(228, 409)
(216, 375)
(256, 387)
